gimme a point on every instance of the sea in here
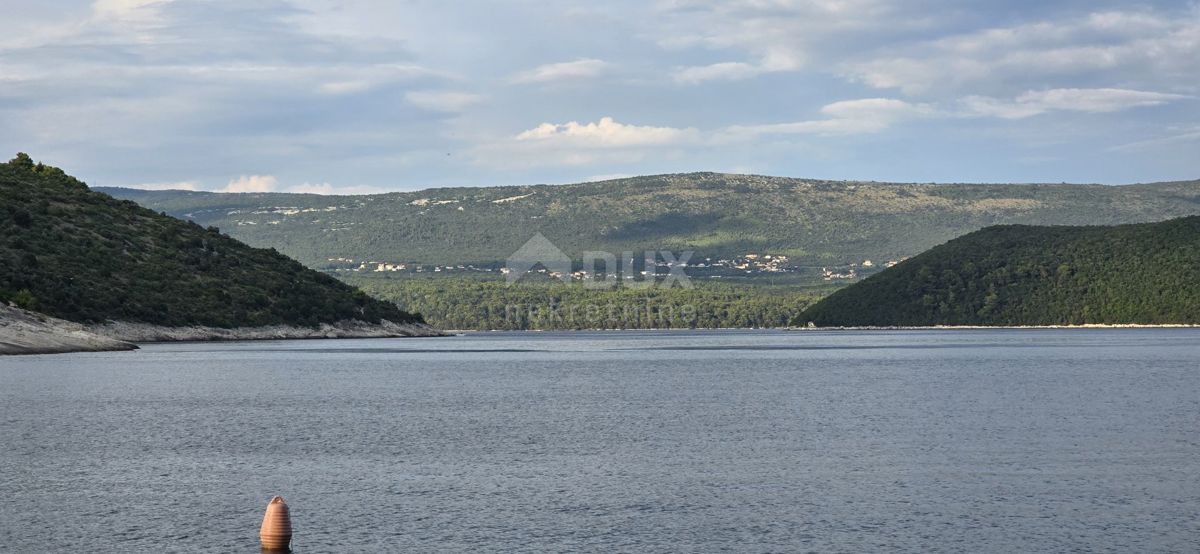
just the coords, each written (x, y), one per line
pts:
(1064, 440)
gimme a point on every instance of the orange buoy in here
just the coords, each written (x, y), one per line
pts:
(276, 532)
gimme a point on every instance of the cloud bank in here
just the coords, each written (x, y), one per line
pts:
(384, 95)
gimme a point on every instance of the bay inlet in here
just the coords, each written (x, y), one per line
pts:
(749, 441)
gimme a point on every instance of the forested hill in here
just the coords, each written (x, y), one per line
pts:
(813, 222)
(81, 255)
(1023, 275)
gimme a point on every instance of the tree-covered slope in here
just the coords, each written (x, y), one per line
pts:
(814, 222)
(84, 256)
(1026, 275)
(480, 304)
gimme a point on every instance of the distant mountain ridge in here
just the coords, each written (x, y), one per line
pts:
(83, 256)
(1026, 275)
(814, 222)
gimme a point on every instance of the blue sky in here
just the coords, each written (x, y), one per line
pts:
(365, 96)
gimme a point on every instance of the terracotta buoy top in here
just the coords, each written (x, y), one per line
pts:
(276, 532)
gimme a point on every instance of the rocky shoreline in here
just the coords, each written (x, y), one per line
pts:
(26, 332)
(142, 332)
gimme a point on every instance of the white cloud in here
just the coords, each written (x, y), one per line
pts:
(252, 183)
(583, 144)
(349, 80)
(142, 22)
(609, 141)
(586, 68)
(1152, 48)
(442, 100)
(774, 35)
(847, 117)
(725, 71)
(277, 85)
(344, 87)
(1177, 136)
(873, 115)
(873, 108)
(1098, 100)
(128, 11)
(606, 133)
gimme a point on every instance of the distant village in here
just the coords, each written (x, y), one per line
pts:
(746, 264)
(852, 271)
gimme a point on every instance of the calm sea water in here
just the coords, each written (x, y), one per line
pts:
(946, 441)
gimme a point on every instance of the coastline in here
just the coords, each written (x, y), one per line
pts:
(352, 329)
(23, 332)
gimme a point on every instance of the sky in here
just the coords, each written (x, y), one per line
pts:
(363, 96)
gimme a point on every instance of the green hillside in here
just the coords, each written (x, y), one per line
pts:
(483, 304)
(81, 255)
(1023, 275)
(814, 222)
